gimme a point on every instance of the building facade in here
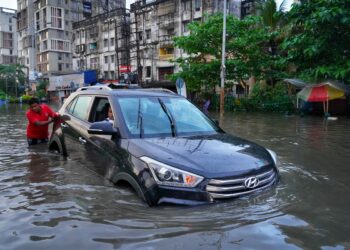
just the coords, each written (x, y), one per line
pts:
(8, 36)
(102, 44)
(45, 29)
(154, 23)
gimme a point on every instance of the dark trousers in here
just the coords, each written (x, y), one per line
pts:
(36, 141)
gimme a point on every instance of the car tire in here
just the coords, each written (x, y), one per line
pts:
(57, 144)
(133, 183)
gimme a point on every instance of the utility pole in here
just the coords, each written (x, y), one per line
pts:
(223, 67)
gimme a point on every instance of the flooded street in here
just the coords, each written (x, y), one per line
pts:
(52, 202)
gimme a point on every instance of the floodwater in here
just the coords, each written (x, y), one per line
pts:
(49, 202)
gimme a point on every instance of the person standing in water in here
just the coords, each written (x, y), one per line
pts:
(38, 116)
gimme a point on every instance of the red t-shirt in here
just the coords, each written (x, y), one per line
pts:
(39, 132)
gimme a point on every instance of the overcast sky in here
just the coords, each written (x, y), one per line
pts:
(12, 4)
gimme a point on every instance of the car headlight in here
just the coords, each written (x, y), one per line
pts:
(274, 156)
(170, 176)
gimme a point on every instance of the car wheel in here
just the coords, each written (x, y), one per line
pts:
(57, 144)
(133, 183)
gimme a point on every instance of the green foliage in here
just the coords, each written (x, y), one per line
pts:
(246, 50)
(318, 44)
(268, 98)
(11, 78)
(41, 88)
(2, 95)
(26, 98)
(263, 98)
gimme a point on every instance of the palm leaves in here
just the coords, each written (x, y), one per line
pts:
(273, 15)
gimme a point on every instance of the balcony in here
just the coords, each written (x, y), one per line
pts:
(186, 15)
(167, 21)
(166, 53)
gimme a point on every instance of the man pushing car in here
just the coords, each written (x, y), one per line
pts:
(39, 117)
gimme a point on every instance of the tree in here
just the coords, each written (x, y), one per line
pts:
(11, 78)
(319, 43)
(273, 16)
(246, 50)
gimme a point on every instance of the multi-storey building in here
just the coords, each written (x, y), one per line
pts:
(155, 22)
(46, 35)
(8, 36)
(102, 43)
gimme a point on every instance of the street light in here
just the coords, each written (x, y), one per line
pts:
(223, 67)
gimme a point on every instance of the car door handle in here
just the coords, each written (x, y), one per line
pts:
(64, 125)
(82, 140)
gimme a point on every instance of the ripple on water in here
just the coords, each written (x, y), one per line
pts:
(48, 202)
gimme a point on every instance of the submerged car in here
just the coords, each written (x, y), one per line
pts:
(162, 145)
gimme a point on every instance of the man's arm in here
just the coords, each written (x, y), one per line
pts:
(43, 123)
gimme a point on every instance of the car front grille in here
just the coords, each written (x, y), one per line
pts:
(229, 188)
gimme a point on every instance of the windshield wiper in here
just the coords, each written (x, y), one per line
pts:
(140, 119)
(170, 117)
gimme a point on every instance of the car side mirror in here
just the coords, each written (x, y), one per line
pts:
(102, 128)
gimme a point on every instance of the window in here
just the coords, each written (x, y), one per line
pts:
(197, 5)
(112, 41)
(140, 36)
(56, 18)
(67, 65)
(185, 26)
(188, 119)
(106, 75)
(80, 107)
(112, 58)
(60, 67)
(105, 43)
(106, 59)
(99, 110)
(148, 34)
(187, 5)
(148, 71)
(59, 56)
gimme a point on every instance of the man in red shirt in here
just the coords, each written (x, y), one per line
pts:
(38, 120)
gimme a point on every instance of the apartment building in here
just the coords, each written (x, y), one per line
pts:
(153, 24)
(102, 44)
(8, 36)
(45, 35)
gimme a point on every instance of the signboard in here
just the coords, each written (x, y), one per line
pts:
(181, 87)
(66, 82)
(87, 9)
(124, 68)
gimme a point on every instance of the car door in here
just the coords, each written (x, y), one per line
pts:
(104, 150)
(78, 112)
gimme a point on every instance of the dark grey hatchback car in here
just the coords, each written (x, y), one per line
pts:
(162, 145)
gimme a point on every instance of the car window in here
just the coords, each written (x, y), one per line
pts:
(71, 105)
(189, 119)
(146, 117)
(81, 107)
(99, 112)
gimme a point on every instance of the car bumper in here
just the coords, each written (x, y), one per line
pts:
(201, 195)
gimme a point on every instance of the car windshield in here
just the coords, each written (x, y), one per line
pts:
(163, 116)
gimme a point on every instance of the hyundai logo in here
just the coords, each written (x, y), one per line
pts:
(251, 182)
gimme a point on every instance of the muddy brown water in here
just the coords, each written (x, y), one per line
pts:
(51, 202)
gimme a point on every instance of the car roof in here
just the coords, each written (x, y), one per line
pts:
(102, 90)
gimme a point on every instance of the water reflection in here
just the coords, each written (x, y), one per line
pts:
(49, 202)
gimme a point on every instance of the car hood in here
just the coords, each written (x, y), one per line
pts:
(213, 156)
